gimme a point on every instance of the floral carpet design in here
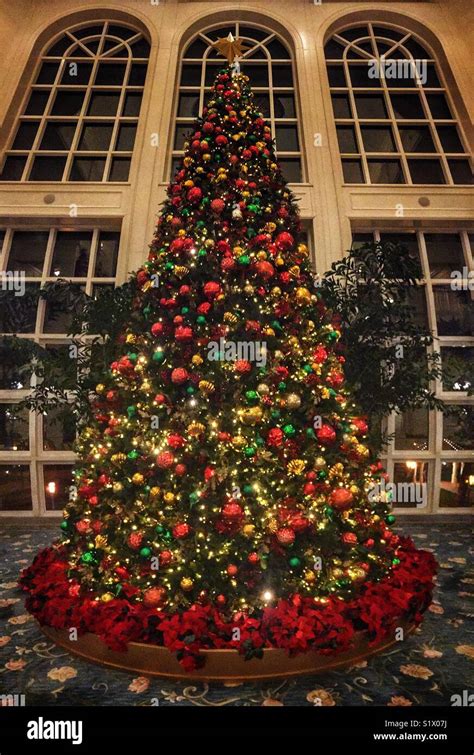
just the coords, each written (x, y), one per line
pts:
(425, 669)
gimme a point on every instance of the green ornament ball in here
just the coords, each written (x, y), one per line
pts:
(390, 518)
(289, 430)
(252, 397)
(145, 552)
(295, 562)
(158, 356)
(244, 259)
(64, 525)
(201, 320)
(249, 451)
(133, 454)
(248, 489)
(87, 558)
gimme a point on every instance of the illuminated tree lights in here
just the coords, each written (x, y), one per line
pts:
(226, 464)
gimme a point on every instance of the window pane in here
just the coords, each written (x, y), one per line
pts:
(181, 135)
(378, 139)
(15, 487)
(196, 49)
(282, 76)
(454, 311)
(59, 430)
(13, 428)
(444, 253)
(18, 313)
(258, 75)
(58, 479)
(407, 106)
(426, 172)
(287, 138)
(14, 373)
(417, 139)
(191, 74)
(47, 73)
(370, 106)
(107, 254)
(103, 103)
(27, 252)
(449, 138)
(132, 104)
(460, 171)
(110, 74)
(126, 137)
(352, 170)
(188, 105)
(71, 254)
(341, 106)
(411, 430)
(458, 428)
(386, 172)
(95, 137)
(87, 169)
(411, 479)
(262, 103)
(120, 169)
(438, 105)
(457, 362)
(13, 168)
(291, 169)
(432, 77)
(56, 320)
(47, 169)
(336, 76)
(68, 103)
(25, 135)
(277, 50)
(76, 73)
(359, 239)
(58, 135)
(333, 50)
(284, 105)
(416, 298)
(37, 103)
(407, 240)
(137, 75)
(360, 76)
(347, 139)
(457, 484)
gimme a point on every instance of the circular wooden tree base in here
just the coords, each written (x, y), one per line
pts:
(220, 665)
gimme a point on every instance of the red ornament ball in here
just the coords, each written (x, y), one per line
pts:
(194, 195)
(341, 499)
(232, 511)
(232, 570)
(349, 538)
(154, 597)
(179, 375)
(284, 241)
(326, 434)
(135, 540)
(217, 206)
(181, 531)
(165, 459)
(285, 536)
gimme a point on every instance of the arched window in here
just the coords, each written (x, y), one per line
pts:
(79, 119)
(395, 120)
(268, 63)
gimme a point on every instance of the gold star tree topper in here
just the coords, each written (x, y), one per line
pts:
(230, 47)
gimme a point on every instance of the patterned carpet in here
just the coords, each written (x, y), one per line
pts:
(426, 669)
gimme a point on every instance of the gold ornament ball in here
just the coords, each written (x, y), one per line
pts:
(303, 296)
(293, 401)
(187, 584)
(248, 530)
(249, 289)
(319, 462)
(155, 491)
(169, 497)
(100, 388)
(117, 487)
(106, 597)
(276, 292)
(138, 479)
(263, 389)
(310, 576)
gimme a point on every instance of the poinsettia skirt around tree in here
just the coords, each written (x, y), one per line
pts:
(297, 624)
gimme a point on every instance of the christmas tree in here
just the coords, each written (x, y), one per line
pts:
(224, 481)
